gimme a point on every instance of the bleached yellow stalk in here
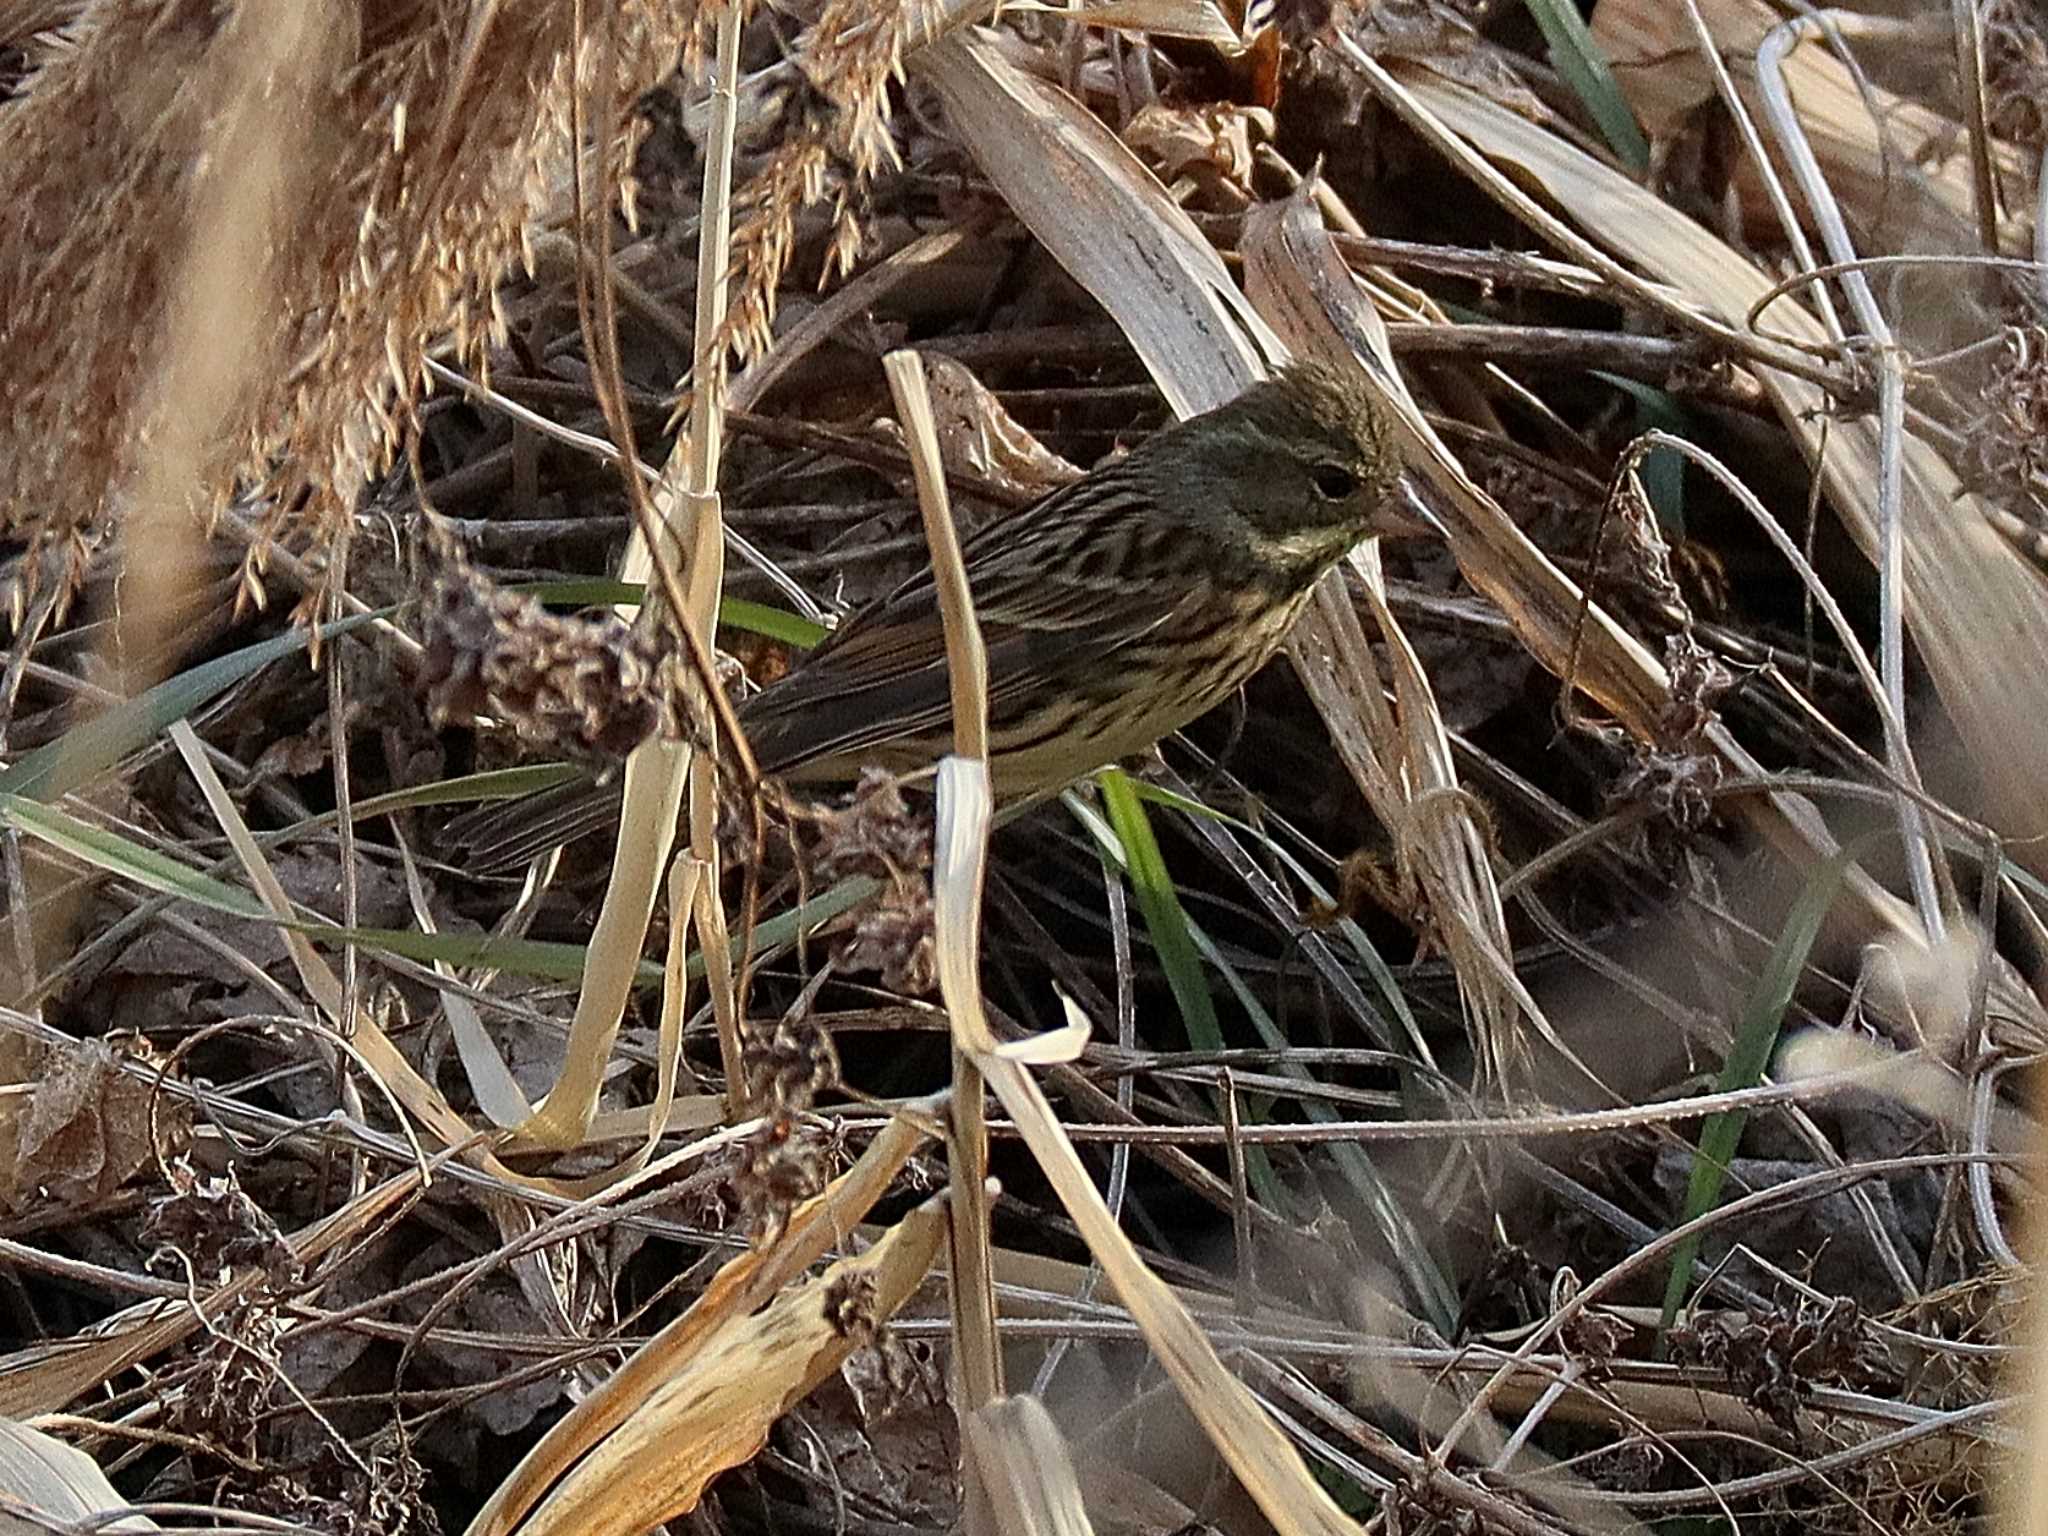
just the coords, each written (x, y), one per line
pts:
(658, 771)
(978, 1359)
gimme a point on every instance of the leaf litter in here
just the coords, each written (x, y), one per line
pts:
(1539, 796)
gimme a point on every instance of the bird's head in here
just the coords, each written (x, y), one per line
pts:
(1300, 467)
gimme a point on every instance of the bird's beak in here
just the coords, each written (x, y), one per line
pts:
(1404, 516)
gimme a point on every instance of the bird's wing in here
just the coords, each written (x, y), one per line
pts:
(882, 676)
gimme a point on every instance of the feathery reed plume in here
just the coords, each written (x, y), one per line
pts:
(429, 136)
(839, 143)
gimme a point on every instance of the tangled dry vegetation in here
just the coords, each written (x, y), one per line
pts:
(1553, 1058)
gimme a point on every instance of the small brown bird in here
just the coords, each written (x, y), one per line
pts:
(1115, 610)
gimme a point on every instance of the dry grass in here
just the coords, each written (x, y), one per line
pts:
(1351, 1062)
(415, 146)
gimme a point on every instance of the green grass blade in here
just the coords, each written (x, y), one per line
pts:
(776, 623)
(1152, 794)
(129, 860)
(1756, 1041)
(1663, 469)
(1404, 1241)
(1159, 903)
(1439, 1298)
(467, 789)
(580, 591)
(92, 747)
(118, 855)
(733, 612)
(564, 962)
(1575, 56)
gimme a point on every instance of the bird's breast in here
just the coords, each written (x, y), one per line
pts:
(1146, 691)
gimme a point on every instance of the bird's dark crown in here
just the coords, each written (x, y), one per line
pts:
(1309, 402)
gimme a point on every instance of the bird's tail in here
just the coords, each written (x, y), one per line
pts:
(506, 835)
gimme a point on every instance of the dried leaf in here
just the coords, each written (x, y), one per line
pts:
(724, 1313)
(977, 434)
(1896, 166)
(63, 1488)
(1212, 142)
(87, 1128)
(1199, 20)
(715, 1413)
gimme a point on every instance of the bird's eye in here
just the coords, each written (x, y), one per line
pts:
(1333, 481)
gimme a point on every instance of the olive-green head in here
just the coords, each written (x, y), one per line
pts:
(1298, 468)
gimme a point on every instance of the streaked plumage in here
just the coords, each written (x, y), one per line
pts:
(1115, 610)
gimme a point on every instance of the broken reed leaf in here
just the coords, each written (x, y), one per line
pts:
(609, 1422)
(1212, 144)
(1105, 218)
(715, 1409)
(419, 1105)
(1551, 618)
(978, 434)
(1199, 21)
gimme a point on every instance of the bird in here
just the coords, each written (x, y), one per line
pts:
(1114, 610)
